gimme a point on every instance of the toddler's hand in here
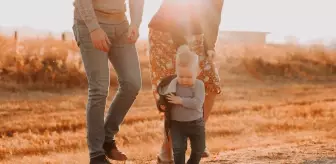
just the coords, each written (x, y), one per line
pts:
(174, 99)
(163, 107)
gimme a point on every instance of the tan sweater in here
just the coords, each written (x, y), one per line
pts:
(93, 12)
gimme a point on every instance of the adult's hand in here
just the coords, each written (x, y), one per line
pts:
(100, 40)
(211, 54)
(212, 58)
(133, 33)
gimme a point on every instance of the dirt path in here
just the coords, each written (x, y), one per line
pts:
(251, 123)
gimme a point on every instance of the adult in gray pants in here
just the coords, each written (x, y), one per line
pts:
(104, 34)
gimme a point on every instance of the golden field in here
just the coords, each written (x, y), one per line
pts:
(277, 106)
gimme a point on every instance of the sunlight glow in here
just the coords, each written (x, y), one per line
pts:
(306, 19)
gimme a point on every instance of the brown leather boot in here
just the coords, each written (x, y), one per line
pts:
(99, 160)
(112, 152)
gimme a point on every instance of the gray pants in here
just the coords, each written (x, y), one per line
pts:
(124, 58)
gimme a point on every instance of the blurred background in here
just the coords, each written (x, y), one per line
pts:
(276, 59)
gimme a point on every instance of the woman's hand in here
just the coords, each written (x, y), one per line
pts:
(174, 99)
(211, 54)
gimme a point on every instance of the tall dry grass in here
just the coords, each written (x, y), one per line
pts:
(44, 64)
(291, 62)
(53, 64)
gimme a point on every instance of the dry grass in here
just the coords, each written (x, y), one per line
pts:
(45, 64)
(53, 64)
(277, 106)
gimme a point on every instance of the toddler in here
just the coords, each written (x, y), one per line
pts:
(186, 94)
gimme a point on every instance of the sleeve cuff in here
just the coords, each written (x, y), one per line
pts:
(93, 26)
(136, 23)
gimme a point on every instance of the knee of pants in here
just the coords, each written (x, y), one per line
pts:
(98, 88)
(98, 92)
(130, 87)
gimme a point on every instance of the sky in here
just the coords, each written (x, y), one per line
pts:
(305, 19)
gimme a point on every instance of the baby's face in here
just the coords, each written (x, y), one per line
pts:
(185, 76)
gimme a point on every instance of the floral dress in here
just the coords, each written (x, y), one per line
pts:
(162, 52)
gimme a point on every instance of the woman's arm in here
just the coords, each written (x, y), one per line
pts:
(210, 21)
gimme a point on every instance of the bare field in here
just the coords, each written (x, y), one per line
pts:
(276, 109)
